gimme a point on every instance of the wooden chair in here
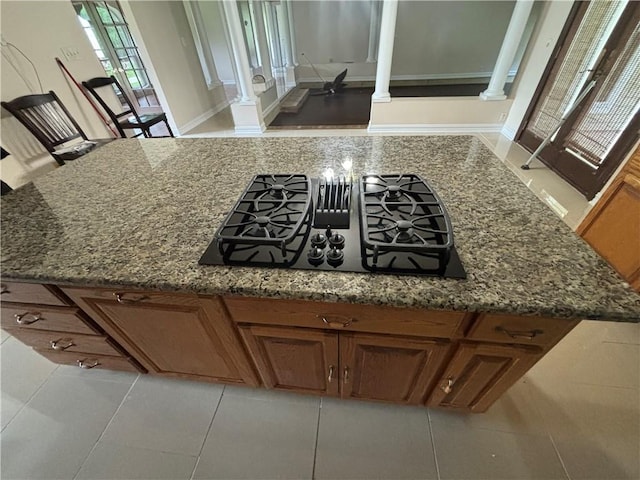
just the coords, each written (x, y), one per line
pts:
(45, 116)
(129, 119)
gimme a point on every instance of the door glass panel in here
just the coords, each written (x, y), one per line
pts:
(558, 96)
(599, 127)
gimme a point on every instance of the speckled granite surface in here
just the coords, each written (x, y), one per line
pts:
(140, 213)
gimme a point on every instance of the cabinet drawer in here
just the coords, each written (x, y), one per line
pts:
(130, 297)
(30, 293)
(89, 361)
(343, 316)
(540, 331)
(64, 341)
(41, 317)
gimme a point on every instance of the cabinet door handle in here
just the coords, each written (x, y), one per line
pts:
(527, 335)
(120, 298)
(333, 323)
(331, 370)
(20, 320)
(446, 388)
(87, 366)
(345, 375)
(56, 345)
(4, 289)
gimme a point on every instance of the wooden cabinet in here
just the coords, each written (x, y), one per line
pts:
(480, 373)
(170, 334)
(351, 365)
(612, 227)
(300, 360)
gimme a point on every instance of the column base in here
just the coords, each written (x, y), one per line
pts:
(381, 97)
(487, 95)
(290, 76)
(247, 117)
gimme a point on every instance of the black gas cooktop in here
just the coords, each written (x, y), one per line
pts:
(394, 224)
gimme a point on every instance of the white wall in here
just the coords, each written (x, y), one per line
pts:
(213, 19)
(163, 34)
(40, 29)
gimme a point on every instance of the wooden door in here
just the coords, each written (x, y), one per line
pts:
(480, 373)
(172, 335)
(294, 359)
(393, 369)
(601, 44)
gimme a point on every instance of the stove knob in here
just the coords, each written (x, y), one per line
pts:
(336, 240)
(335, 257)
(318, 240)
(315, 256)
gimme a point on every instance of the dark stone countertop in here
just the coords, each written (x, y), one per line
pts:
(139, 213)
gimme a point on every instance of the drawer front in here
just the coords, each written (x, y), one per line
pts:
(29, 293)
(131, 297)
(342, 316)
(64, 341)
(541, 331)
(41, 317)
(89, 362)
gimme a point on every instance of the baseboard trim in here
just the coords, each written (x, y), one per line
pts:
(190, 125)
(268, 114)
(426, 76)
(249, 130)
(436, 128)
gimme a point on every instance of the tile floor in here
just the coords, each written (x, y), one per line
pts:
(575, 415)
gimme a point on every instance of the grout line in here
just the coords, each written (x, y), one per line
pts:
(564, 467)
(315, 448)
(204, 440)
(433, 444)
(106, 426)
(30, 397)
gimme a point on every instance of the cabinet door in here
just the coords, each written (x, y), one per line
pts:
(480, 373)
(393, 369)
(173, 335)
(301, 360)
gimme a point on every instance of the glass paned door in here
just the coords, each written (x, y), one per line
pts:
(602, 43)
(114, 46)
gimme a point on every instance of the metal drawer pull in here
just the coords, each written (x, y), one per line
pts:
(530, 335)
(331, 369)
(120, 298)
(20, 320)
(86, 366)
(55, 344)
(449, 386)
(345, 377)
(4, 289)
(334, 323)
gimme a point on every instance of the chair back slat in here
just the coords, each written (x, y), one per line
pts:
(99, 82)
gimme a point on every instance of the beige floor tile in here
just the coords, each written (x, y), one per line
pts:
(373, 441)
(166, 415)
(514, 412)
(96, 374)
(255, 439)
(466, 453)
(23, 372)
(51, 436)
(3, 336)
(271, 395)
(110, 461)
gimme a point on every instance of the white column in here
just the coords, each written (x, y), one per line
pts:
(517, 25)
(286, 35)
(199, 31)
(292, 32)
(263, 43)
(385, 51)
(239, 51)
(274, 41)
(373, 32)
(247, 111)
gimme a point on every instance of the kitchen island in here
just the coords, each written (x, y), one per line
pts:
(134, 217)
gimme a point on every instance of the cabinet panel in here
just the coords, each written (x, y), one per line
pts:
(30, 293)
(392, 369)
(64, 341)
(175, 335)
(41, 317)
(344, 316)
(294, 359)
(480, 373)
(89, 362)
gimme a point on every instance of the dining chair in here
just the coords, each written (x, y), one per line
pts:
(128, 119)
(46, 117)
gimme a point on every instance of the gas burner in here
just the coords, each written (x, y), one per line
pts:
(277, 191)
(405, 231)
(261, 228)
(393, 192)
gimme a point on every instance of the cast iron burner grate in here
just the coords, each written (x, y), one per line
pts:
(404, 224)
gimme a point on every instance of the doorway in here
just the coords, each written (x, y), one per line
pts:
(600, 44)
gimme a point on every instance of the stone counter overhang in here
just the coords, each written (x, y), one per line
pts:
(139, 213)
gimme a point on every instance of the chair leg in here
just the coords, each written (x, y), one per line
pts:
(147, 133)
(168, 128)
